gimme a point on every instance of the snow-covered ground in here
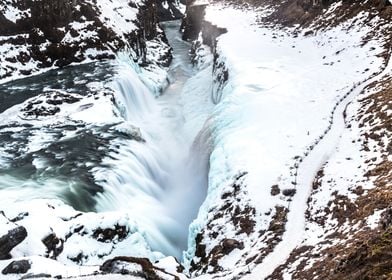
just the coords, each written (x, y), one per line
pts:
(283, 95)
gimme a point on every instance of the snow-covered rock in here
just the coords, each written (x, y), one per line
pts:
(42, 34)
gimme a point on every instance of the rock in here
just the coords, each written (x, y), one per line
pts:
(35, 276)
(48, 104)
(54, 245)
(44, 34)
(126, 265)
(289, 192)
(210, 33)
(51, 13)
(107, 234)
(170, 13)
(228, 245)
(20, 217)
(17, 267)
(191, 24)
(275, 190)
(386, 219)
(11, 240)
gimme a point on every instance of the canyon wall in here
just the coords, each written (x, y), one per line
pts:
(43, 33)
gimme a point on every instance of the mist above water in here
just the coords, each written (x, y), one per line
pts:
(159, 178)
(161, 182)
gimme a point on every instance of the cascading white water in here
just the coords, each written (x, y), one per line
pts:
(161, 182)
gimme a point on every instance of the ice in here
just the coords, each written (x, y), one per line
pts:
(159, 174)
(276, 103)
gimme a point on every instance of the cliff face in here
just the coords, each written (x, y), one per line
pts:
(193, 25)
(168, 10)
(43, 33)
(304, 12)
(192, 22)
(46, 14)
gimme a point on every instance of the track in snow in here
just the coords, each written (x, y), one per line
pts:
(306, 170)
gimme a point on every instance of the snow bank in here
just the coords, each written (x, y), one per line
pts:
(275, 104)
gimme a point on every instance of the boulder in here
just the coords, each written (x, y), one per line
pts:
(11, 240)
(275, 190)
(138, 267)
(228, 245)
(289, 192)
(17, 267)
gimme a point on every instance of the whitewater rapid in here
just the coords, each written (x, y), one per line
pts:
(121, 148)
(160, 181)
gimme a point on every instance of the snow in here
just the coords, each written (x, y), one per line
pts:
(275, 106)
(118, 15)
(6, 225)
(87, 110)
(295, 228)
(373, 220)
(278, 118)
(48, 266)
(12, 13)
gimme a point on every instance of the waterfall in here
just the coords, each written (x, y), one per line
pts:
(120, 149)
(160, 182)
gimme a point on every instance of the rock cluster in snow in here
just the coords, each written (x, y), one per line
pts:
(264, 95)
(42, 34)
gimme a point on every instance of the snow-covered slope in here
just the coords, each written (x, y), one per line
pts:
(63, 132)
(281, 95)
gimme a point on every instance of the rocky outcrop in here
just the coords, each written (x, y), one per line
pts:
(48, 14)
(43, 33)
(304, 12)
(168, 10)
(11, 240)
(192, 22)
(138, 267)
(17, 267)
(215, 242)
(210, 33)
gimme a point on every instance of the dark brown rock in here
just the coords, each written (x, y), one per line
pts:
(43, 32)
(54, 245)
(35, 276)
(386, 219)
(119, 265)
(289, 192)
(170, 13)
(275, 190)
(192, 23)
(17, 267)
(11, 240)
(228, 245)
(107, 234)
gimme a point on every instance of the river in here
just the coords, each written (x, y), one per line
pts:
(131, 155)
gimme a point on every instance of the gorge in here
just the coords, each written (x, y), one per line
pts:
(223, 139)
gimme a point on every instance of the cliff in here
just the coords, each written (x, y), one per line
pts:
(40, 34)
